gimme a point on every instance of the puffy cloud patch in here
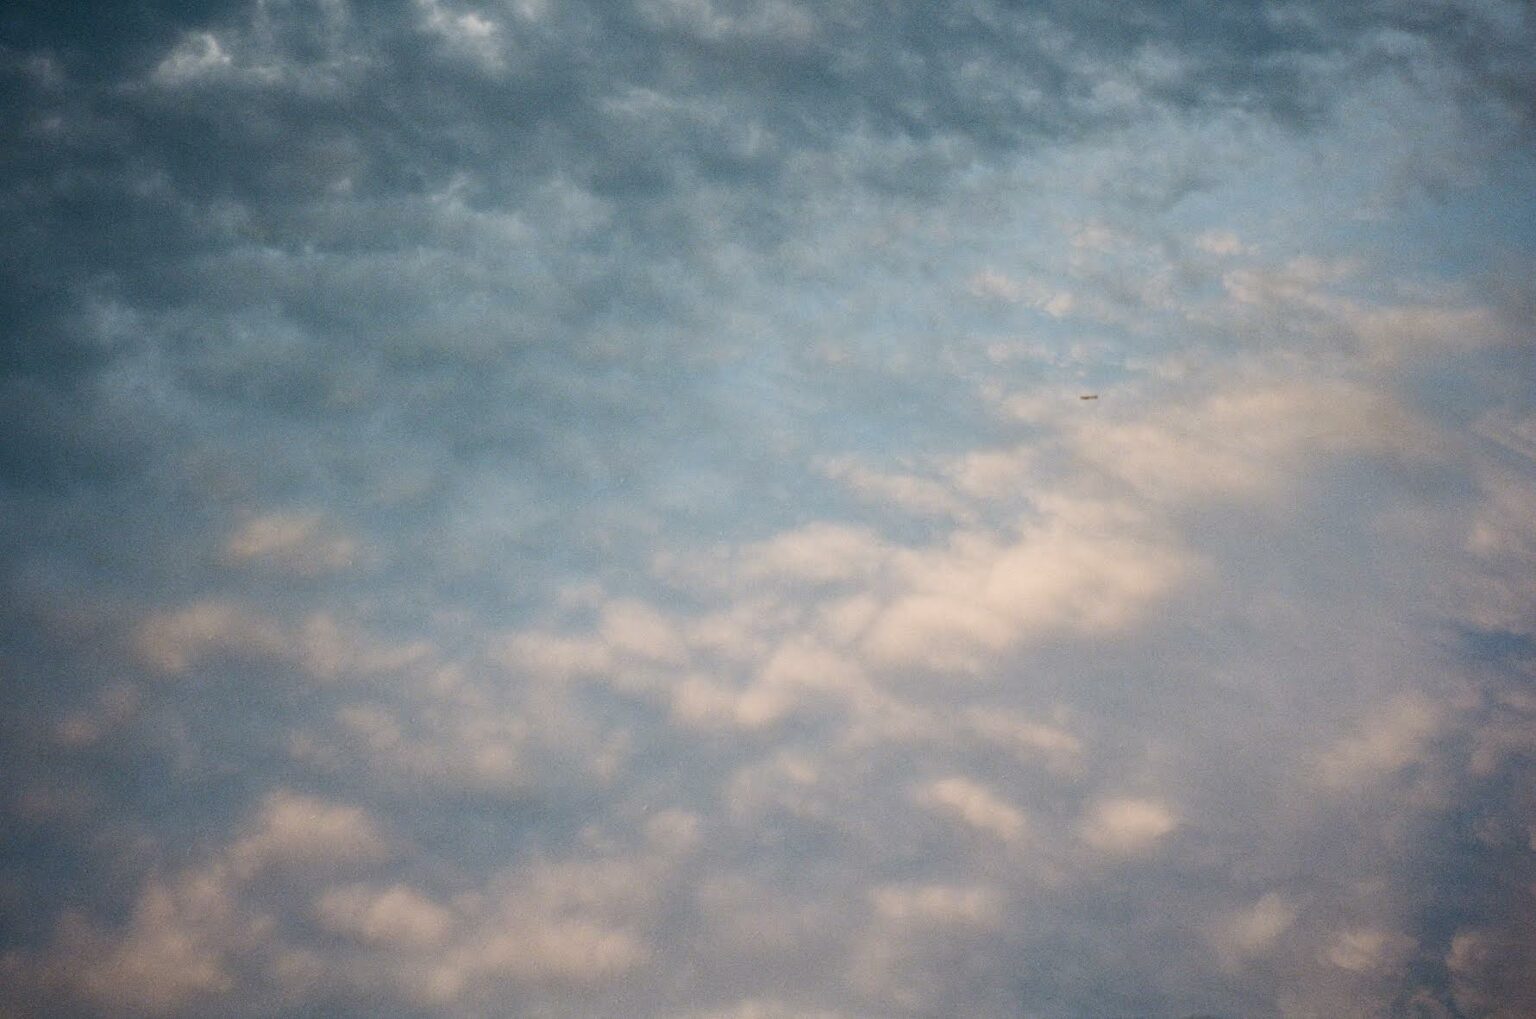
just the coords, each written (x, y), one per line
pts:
(1083, 569)
(198, 55)
(171, 642)
(1254, 930)
(1390, 739)
(297, 830)
(1127, 825)
(397, 916)
(975, 806)
(298, 543)
(1239, 440)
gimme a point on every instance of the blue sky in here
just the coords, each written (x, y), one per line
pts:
(585, 509)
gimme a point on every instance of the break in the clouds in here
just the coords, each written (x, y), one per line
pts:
(586, 509)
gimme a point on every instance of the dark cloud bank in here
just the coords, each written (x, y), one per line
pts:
(583, 509)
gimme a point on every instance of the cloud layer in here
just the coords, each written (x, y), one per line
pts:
(587, 509)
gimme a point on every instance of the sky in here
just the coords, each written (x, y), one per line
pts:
(552, 508)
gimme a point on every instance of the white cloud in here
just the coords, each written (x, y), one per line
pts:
(1490, 971)
(1127, 826)
(1508, 734)
(396, 916)
(190, 936)
(776, 21)
(636, 630)
(1245, 439)
(294, 829)
(558, 923)
(974, 805)
(253, 55)
(1387, 740)
(788, 782)
(546, 923)
(556, 950)
(925, 906)
(673, 832)
(115, 707)
(458, 743)
(766, 1008)
(327, 650)
(470, 34)
(173, 951)
(172, 641)
(297, 543)
(556, 655)
(1055, 746)
(911, 954)
(843, 620)
(818, 553)
(1511, 430)
(806, 664)
(1252, 931)
(1084, 568)
(630, 639)
(1499, 592)
(993, 474)
(198, 55)
(1222, 243)
(1367, 950)
(907, 492)
(993, 284)
(1305, 293)
(1398, 332)
(740, 633)
(797, 674)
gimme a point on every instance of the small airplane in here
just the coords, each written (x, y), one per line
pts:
(1089, 396)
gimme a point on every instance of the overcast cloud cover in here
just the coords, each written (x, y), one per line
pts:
(544, 508)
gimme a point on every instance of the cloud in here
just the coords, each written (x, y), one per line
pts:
(1254, 930)
(171, 642)
(189, 935)
(1057, 747)
(1247, 441)
(1489, 972)
(198, 55)
(636, 630)
(993, 284)
(1390, 739)
(172, 953)
(1082, 569)
(469, 33)
(914, 494)
(937, 904)
(1498, 596)
(397, 916)
(553, 509)
(297, 830)
(296, 543)
(975, 806)
(1126, 825)
(1365, 950)
(1222, 243)
(756, 1008)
